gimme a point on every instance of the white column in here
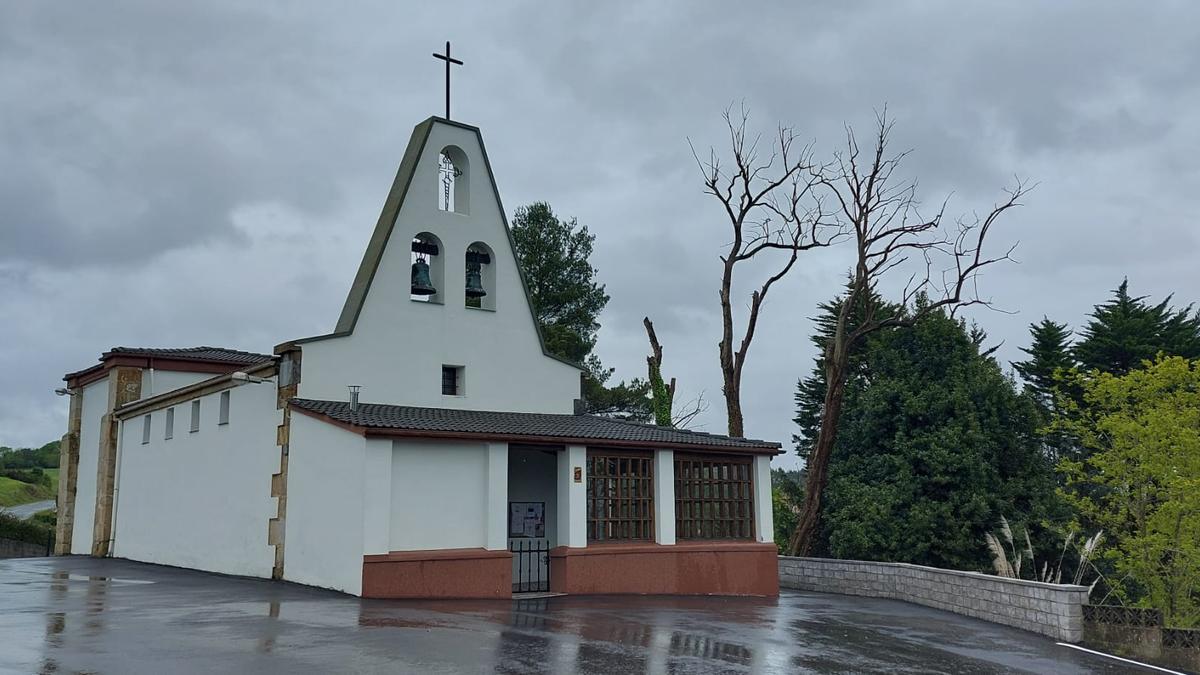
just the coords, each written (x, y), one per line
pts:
(377, 496)
(763, 518)
(572, 497)
(496, 513)
(664, 497)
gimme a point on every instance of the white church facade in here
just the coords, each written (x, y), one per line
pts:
(463, 471)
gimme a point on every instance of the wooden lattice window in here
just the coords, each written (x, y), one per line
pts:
(714, 498)
(620, 496)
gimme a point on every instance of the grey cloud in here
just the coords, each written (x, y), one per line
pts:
(143, 142)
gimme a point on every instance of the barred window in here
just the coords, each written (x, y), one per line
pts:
(714, 498)
(452, 381)
(620, 496)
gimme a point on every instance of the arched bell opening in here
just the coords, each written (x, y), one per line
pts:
(428, 278)
(480, 287)
(453, 184)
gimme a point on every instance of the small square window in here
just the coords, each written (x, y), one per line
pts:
(146, 430)
(195, 416)
(452, 381)
(170, 430)
(223, 417)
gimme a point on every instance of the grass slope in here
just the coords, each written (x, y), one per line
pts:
(13, 492)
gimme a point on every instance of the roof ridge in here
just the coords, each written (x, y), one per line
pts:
(418, 420)
(681, 430)
(200, 348)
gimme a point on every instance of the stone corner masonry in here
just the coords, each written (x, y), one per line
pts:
(1054, 610)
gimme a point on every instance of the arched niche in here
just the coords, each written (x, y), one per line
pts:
(427, 247)
(454, 180)
(481, 254)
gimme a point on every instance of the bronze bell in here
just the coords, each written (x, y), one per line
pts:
(474, 280)
(421, 285)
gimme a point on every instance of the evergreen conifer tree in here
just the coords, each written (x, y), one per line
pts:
(934, 444)
(1049, 353)
(1125, 331)
(555, 257)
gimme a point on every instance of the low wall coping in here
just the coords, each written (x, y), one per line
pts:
(436, 554)
(941, 570)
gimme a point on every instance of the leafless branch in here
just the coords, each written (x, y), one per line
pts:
(682, 416)
(772, 204)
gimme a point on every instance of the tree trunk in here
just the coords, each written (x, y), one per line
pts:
(733, 408)
(817, 466)
(731, 385)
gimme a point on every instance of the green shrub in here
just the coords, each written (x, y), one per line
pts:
(31, 531)
(49, 518)
(34, 476)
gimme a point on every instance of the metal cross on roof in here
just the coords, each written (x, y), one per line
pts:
(446, 57)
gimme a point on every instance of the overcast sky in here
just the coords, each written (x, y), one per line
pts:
(208, 174)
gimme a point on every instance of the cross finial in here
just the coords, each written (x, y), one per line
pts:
(446, 57)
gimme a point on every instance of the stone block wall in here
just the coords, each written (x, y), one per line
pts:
(1054, 610)
(11, 548)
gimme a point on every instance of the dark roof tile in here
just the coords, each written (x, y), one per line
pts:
(211, 354)
(514, 424)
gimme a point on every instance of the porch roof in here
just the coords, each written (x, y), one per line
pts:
(373, 419)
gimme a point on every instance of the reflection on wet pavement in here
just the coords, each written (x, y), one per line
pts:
(74, 614)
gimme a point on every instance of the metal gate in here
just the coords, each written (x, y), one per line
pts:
(531, 565)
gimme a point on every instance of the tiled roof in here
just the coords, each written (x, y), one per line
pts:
(211, 354)
(521, 425)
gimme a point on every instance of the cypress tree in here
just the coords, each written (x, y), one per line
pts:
(1049, 352)
(1126, 331)
(934, 445)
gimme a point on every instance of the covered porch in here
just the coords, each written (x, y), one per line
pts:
(475, 504)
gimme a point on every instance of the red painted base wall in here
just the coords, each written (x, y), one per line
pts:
(449, 573)
(701, 568)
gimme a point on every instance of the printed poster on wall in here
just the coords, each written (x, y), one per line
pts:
(527, 519)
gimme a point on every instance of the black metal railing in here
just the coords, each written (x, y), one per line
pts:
(1123, 616)
(1181, 638)
(531, 565)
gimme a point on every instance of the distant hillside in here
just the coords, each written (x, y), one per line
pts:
(28, 474)
(44, 457)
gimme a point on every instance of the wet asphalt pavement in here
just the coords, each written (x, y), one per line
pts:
(66, 615)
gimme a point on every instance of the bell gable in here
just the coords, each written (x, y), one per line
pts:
(439, 290)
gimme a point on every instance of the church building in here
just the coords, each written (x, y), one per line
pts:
(429, 446)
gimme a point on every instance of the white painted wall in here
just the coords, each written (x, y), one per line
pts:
(377, 496)
(764, 517)
(495, 506)
(572, 497)
(439, 495)
(664, 497)
(399, 346)
(95, 404)
(161, 381)
(323, 533)
(201, 499)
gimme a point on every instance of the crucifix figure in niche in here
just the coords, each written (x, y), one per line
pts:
(449, 174)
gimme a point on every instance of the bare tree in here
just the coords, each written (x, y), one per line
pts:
(882, 216)
(662, 393)
(772, 207)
